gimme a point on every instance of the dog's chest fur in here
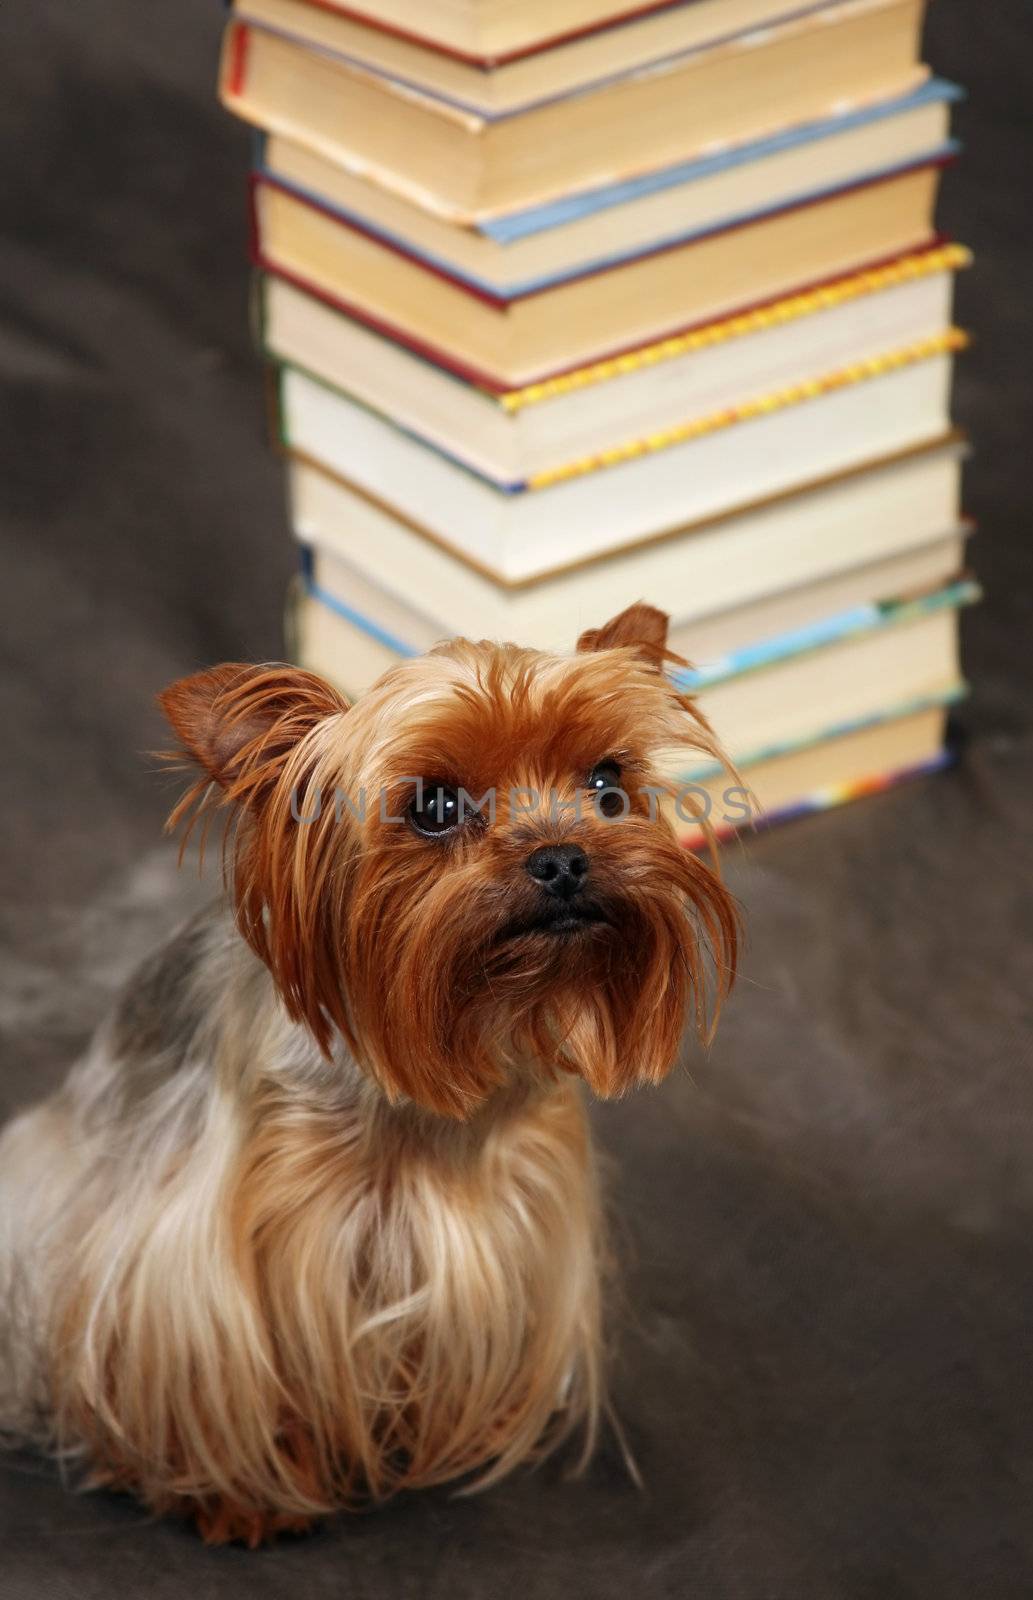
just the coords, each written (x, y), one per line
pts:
(269, 1287)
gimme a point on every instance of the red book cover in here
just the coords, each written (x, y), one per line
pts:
(492, 381)
(487, 63)
(494, 384)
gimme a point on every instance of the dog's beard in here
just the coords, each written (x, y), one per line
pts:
(454, 989)
(605, 1000)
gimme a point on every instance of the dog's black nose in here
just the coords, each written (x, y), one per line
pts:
(559, 868)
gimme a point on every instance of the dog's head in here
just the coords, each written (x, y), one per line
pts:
(469, 870)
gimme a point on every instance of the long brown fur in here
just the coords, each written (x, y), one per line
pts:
(351, 1244)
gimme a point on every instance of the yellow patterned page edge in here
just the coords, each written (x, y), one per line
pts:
(948, 258)
(812, 389)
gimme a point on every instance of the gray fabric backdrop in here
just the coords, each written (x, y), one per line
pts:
(825, 1357)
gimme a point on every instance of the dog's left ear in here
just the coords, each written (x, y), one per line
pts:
(226, 717)
(248, 730)
(641, 628)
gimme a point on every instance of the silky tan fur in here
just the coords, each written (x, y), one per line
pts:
(316, 1218)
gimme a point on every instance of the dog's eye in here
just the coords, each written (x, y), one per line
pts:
(607, 775)
(604, 778)
(436, 809)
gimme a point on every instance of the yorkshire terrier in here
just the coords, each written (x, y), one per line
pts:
(316, 1218)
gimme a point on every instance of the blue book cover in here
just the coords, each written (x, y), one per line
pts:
(852, 623)
(949, 696)
(866, 618)
(521, 225)
(539, 219)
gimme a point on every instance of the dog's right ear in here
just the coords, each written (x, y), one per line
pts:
(639, 627)
(234, 719)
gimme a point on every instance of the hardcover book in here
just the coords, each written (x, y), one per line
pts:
(830, 769)
(518, 436)
(520, 341)
(525, 251)
(719, 643)
(768, 444)
(490, 34)
(467, 161)
(755, 572)
(588, 62)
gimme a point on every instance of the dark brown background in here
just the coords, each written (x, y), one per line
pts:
(826, 1358)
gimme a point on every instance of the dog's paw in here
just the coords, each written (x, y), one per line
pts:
(223, 1522)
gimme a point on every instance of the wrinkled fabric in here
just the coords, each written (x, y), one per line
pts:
(825, 1225)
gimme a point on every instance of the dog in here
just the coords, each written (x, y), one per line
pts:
(316, 1218)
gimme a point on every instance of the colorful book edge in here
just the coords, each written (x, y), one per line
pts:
(501, 297)
(826, 799)
(870, 369)
(523, 224)
(853, 623)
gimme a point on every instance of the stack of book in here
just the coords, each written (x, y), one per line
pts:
(568, 307)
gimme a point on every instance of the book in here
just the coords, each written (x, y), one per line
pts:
(908, 653)
(568, 305)
(484, 35)
(586, 62)
(767, 445)
(815, 774)
(516, 342)
(515, 436)
(525, 250)
(905, 651)
(467, 160)
(717, 643)
(707, 577)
